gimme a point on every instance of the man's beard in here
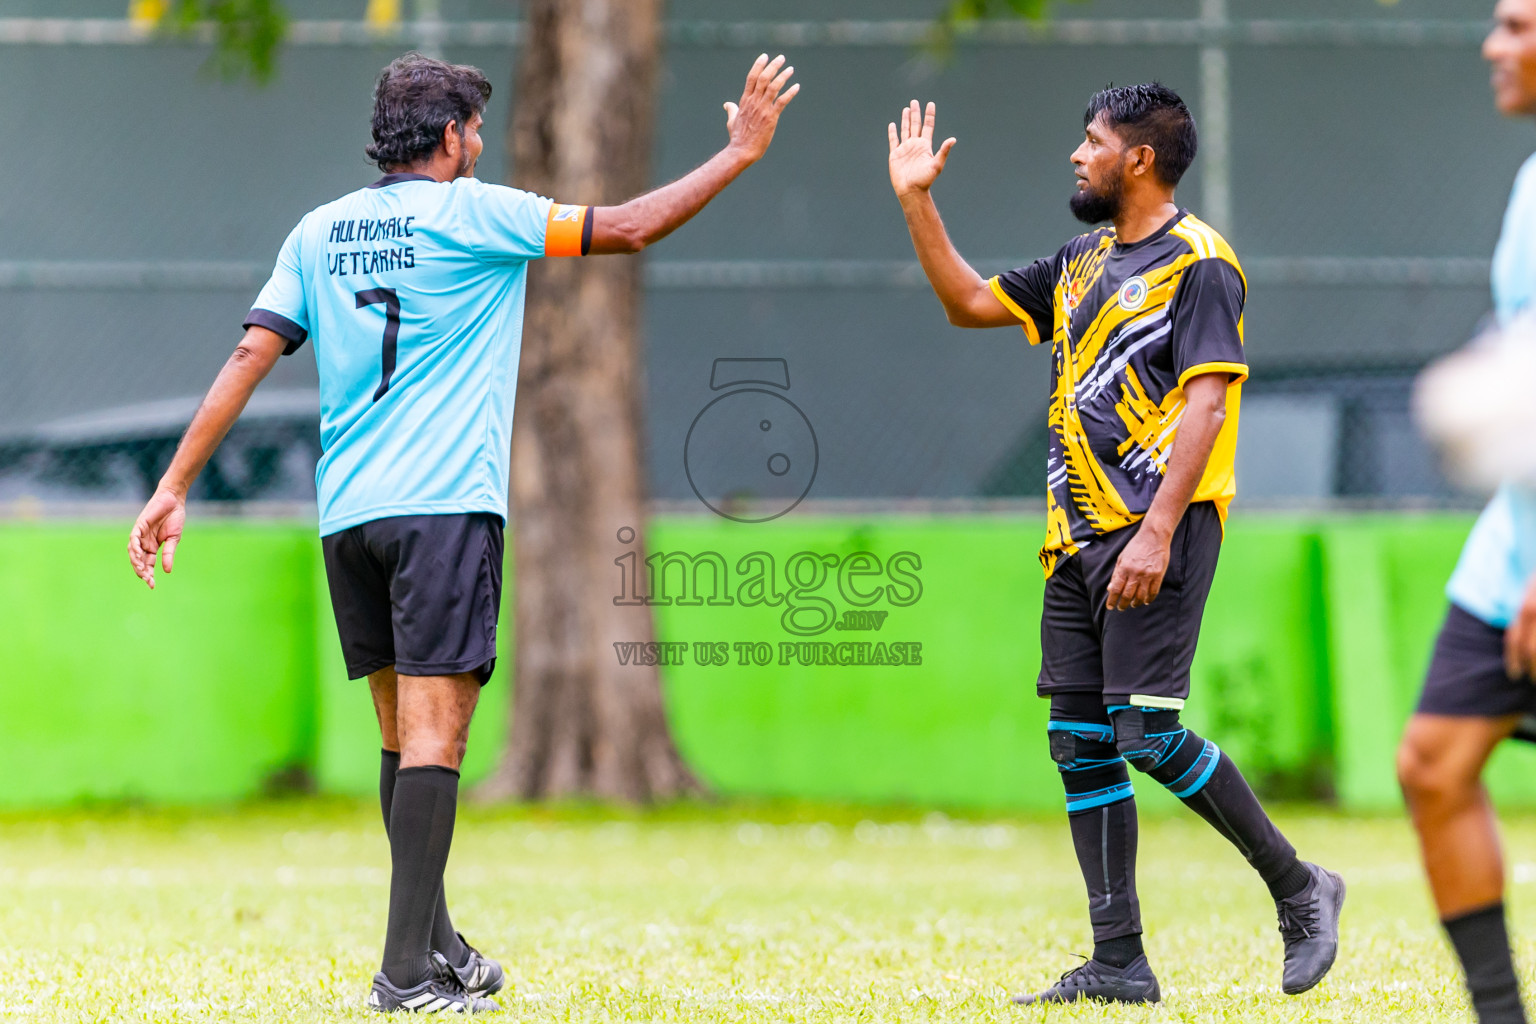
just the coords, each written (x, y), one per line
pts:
(1093, 207)
(466, 159)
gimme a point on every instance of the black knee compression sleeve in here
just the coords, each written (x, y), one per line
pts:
(1154, 742)
(1092, 770)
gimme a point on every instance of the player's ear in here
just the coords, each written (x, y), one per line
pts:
(1142, 160)
(452, 141)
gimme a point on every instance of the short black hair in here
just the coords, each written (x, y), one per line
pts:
(1149, 115)
(414, 99)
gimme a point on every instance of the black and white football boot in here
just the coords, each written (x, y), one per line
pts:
(444, 992)
(481, 975)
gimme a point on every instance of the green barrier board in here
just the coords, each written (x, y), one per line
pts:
(964, 727)
(1385, 598)
(883, 659)
(961, 599)
(200, 690)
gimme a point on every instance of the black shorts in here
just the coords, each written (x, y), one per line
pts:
(420, 593)
(1140, 652)
(1467, 679)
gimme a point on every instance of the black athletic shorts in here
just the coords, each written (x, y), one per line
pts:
(1467, 679)
(1140, 652)
(420, 593)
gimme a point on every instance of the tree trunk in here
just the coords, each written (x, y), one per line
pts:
(581, 124)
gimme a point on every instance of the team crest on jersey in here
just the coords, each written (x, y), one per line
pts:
(1133, 294)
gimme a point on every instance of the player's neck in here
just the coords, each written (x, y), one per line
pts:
(1138, 220)
(441, 167)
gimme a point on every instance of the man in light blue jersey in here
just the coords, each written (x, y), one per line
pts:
(411, 293)
(1479, 688)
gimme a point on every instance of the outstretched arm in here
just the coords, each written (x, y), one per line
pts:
(968, 301)
(655, 215)
(159, 525)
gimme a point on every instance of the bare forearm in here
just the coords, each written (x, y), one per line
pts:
(953, 280)
(1187, 460)
(219, 410)
(658, 213)
(1139, 570)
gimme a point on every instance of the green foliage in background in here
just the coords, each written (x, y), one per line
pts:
(960, 12)
(247, 33)
(962, 15)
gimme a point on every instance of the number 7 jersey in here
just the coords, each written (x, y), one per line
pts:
(411, 292)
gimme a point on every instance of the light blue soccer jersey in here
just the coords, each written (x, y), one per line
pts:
(411, 291)
(1500, 555)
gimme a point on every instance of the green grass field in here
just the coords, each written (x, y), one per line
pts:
(744, 912)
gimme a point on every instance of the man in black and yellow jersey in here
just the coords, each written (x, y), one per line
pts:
(1145, 322)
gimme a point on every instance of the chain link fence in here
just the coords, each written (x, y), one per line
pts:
(1349, 148)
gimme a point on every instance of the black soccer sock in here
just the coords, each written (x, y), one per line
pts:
(444, 938)
(1101, 812)
(1105, 841)
(389, 764)
(1205, 779)
(1482, 944)
(1228, 803)
(1118, 952)
(420, 835)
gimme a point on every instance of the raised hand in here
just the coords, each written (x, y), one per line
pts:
(914, 164)
(751, 123)
(159, 524)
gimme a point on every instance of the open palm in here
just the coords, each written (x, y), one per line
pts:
(914, 164)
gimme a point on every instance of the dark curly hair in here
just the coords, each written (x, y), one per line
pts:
(1149, 115)
(414, 99)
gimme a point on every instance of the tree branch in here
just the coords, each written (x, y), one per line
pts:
(247, 33)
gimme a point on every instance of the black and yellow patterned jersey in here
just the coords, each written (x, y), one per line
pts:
(1128, 325)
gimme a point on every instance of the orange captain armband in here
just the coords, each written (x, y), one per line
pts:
(568, 231)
